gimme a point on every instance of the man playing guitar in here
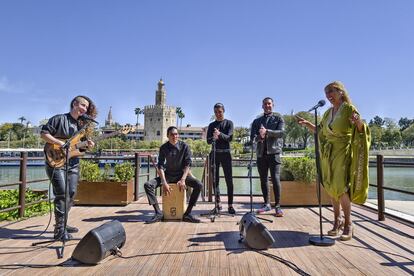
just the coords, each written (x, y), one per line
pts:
(55, 132)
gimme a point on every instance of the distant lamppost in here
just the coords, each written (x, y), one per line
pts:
(8, 140)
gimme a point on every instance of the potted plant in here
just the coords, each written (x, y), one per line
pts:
(298, 183)
(98, 187)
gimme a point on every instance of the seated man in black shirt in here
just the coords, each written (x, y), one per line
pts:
(174, 161)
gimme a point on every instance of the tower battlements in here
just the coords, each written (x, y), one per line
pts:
(159, 117)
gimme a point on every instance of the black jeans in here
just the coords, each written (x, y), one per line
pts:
(57, 177)
(272, 162)
(194, 183)
(223, 158)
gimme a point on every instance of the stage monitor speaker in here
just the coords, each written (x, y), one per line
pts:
(253, 233)
(100, 242)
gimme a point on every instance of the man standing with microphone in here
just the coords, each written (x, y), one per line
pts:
(220, 132)
(267, 131)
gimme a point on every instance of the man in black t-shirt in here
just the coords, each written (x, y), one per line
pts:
(174, 161)
(220, 132)
(58, 129)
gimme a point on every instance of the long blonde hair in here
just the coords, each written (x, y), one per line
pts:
(339, 86)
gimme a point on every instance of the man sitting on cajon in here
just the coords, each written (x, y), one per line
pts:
(174, 161)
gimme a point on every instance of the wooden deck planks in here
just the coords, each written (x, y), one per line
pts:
(177, 248)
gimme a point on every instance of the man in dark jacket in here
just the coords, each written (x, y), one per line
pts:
(267, 132)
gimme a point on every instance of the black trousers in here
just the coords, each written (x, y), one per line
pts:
(264, 164)
(223, 158)
(190, 181)
(57, 177)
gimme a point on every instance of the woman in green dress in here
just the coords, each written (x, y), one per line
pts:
(344, 143)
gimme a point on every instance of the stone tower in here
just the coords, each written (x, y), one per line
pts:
(109, 121)
(158, 117)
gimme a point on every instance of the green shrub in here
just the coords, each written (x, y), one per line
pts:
(10, 198)
(89, 171)
(299, 168)
(123, 172)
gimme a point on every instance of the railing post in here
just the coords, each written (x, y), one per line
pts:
(22, 186)
(209, 179)
(137, 171)
(149, 157)
(380, 186)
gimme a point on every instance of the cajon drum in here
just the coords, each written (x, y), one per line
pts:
(174, 205)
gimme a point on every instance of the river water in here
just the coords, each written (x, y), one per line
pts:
(400, 178)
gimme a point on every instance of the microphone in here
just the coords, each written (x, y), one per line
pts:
(319, 104)
(85, 117)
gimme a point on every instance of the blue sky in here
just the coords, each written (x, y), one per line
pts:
(234, 52)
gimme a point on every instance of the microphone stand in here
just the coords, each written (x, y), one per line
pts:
(250, 175)
(249, 215)
(319, 240)
(215, 212)
(66, 147)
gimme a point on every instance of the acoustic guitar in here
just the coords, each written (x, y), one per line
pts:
(55, 155)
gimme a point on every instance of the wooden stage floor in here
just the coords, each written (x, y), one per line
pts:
(212, 248)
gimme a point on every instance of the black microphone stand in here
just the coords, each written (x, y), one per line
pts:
(216, 211)
(250, 216)
(319, 240)
(66, 147)
(250, 175)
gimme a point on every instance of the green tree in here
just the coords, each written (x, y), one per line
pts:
(390, 123)
(237, 147)
(25, 133)
(292, 129)
(378, 121)
(18, 130)
(155, 144)
(404, 123)
(5, 130)
(376, 135)
(180, 115)
(21, 119)
(178, 110)
(301, 132)
(138, 111)
(199, 148)
(240, 132)
(392, 137)
(408, 135)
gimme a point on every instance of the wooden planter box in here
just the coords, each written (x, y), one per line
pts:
(299, 194)
(105, 193)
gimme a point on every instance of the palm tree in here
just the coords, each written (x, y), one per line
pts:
(21, 119)
(25, 131)
(178, 112)
(181, 115)
(137, 112)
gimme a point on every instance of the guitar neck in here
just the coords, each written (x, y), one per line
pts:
(105, 136)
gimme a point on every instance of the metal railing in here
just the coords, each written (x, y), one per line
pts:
(380, 183)
(23, 182)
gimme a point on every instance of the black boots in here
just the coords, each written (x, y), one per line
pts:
(59, 232)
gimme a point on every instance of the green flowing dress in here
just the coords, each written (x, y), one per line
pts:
(344, 155)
